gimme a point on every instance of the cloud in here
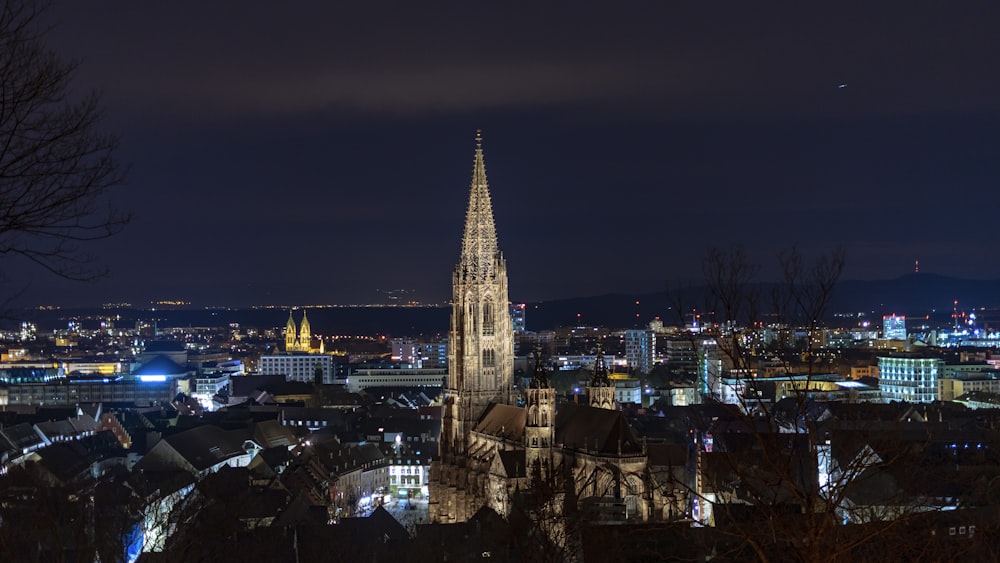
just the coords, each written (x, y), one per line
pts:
(403, 90)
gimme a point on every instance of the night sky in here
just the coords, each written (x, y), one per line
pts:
(317, 154)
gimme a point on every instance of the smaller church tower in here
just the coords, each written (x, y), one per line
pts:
(539, 432)
(305, 333)
(601, 392)
(290, 333)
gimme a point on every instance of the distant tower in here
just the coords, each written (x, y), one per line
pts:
(601, 392)
(298, 339)
(290, 333)
(481, 350)
(539, 431)
(305, 334)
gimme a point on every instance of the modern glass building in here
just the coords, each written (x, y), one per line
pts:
(894, 327)
(640, 349)
(909, 378)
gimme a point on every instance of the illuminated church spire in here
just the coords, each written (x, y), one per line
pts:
(481, 350)
(479, 245)
(290, 333)
(305, 333)
(601, 392)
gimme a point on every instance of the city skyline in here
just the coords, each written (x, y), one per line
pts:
(313, 156)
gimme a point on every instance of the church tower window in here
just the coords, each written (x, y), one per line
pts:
(488, 328)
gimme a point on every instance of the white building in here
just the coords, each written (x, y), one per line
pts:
(627, 390)
(297, 366)
(909, 378)
(403, 377)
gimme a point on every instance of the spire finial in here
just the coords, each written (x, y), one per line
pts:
(479, 245)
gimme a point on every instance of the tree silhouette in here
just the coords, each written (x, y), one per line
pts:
(56, 168)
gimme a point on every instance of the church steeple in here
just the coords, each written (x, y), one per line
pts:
(539, 429)
(601, 392)
(540, 377)
(305, 333)
(481, 350)
(479, 244)
(290, 333)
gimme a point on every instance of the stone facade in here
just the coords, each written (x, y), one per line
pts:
(492, 450)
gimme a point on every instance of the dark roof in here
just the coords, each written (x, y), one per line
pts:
(514, 463)
(408, 426)
(271, 433)
(161, 365)
(56, 428)
(274, 457)
(52, 413)
(21, 436)
(246, 386)
(591, 428)
(504, 421)
(485, 532)
(72, 460)
(201, 446)
(379, 526)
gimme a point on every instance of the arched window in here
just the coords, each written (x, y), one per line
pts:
(489, 358)
(545, 417)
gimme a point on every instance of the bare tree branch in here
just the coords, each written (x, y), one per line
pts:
(56, 168)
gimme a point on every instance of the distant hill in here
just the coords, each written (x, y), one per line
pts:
(916, 294)
(911, 295)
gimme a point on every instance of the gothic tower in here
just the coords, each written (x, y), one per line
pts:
(305, 334)
(539, 430)
(290, 333)
(481, 346)
(601, 392)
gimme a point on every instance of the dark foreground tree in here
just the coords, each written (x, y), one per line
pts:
(55, 166)
(791, 468)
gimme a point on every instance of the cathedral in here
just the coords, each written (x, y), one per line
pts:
(298, 339)
(497, 443)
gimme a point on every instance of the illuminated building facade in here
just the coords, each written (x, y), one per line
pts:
(910, 378)
(298, 339)
(956, 385)
(405, 351)
(297, 366)
(517, 317)
(481, 350)
(395, 377)
(491, 449)
(434, 354)
(91, 390)
(894, 327)
(640, 349)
